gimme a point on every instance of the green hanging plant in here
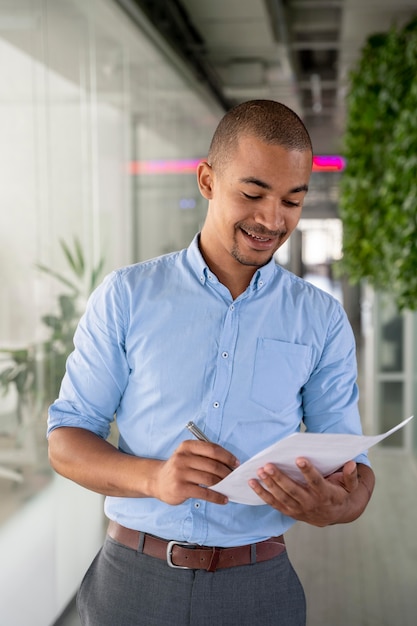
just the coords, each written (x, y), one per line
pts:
(378, 187)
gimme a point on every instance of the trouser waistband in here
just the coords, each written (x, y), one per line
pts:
(183, 555)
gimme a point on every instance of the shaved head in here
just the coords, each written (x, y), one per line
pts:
(269, 121)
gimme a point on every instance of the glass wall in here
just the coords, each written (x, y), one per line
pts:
(100, 134)
(414, 383)
(394, 379)
(391, 374)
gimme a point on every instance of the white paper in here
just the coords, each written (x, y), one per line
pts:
(327, 452)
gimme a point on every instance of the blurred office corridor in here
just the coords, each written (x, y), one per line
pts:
(364, 573)
(103, 122)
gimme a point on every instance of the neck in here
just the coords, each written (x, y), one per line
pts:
(236, 279)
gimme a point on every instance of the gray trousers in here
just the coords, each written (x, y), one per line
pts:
(124, 587)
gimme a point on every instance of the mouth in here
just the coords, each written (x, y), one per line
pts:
(259, 241)
(256, 237)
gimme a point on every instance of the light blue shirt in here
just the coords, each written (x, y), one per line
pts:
(163, 342)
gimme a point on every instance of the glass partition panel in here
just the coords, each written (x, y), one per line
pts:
(172, 135)
(390, 346)
(390, 367)
(84, 96)
(414, 386)
(391, 410)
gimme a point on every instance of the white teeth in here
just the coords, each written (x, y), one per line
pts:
(259, 238)
(262, 239)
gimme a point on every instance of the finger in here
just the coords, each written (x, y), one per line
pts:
(284, 490)
(203, 493)
(199, 470)
(213, 451)
(273, 495)
(262, 492)
(199, 492)
(180, 483)
(213, 466)
(311, 474)
(206, 475)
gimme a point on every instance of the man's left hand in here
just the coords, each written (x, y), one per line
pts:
(338, 498)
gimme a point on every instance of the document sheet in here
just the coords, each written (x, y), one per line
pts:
(327, 451)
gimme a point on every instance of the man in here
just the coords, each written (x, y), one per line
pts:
(221, 335)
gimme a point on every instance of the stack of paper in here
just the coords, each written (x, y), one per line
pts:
(327, 452)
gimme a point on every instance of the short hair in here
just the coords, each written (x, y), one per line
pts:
(268, 120)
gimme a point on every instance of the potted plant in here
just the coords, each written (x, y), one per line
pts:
(37, 370)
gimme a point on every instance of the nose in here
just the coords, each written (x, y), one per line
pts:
(271, 216)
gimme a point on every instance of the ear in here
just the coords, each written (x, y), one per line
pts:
(205, 179)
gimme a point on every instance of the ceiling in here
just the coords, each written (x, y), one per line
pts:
(296, 51)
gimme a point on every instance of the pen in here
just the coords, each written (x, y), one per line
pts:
(197, 432)
(202, 437)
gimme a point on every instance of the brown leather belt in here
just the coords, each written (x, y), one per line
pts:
(184, 555)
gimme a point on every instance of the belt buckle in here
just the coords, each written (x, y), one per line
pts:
(170, 548)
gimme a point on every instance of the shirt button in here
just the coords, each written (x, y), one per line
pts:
(216, 405)
(197, 505)
(232, 307)
(225, 355)
(261, 282)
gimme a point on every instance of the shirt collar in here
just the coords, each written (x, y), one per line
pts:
(197, 263)
(259, 280)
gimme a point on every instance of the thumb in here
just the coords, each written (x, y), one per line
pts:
(350, 476)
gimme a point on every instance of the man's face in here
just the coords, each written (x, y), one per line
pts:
(255, 202)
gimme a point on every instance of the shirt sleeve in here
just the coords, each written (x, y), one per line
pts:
(97, 370)
(330, 397)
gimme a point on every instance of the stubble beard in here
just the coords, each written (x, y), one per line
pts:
(238, 256)
(244, 260)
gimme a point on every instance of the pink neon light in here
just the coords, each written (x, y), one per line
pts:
(172, 166)
(322, 163)
(328, 163)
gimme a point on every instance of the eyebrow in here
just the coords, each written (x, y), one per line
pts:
(252, 180)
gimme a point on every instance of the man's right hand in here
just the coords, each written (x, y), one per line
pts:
(193, 468)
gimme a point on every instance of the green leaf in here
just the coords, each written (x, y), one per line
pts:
(62, 279)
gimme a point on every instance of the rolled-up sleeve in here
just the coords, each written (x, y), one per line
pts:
(330, 397)
(97, 370)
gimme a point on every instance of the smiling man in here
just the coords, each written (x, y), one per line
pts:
(255, 202)
(221, 335)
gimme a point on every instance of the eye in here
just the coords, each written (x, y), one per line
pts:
(251, 197)
(291, 204)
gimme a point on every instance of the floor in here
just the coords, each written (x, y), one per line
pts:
(364, 573)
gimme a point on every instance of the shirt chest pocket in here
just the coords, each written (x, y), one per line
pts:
(280, 371)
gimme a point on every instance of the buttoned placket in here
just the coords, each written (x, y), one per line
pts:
(223, 377)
